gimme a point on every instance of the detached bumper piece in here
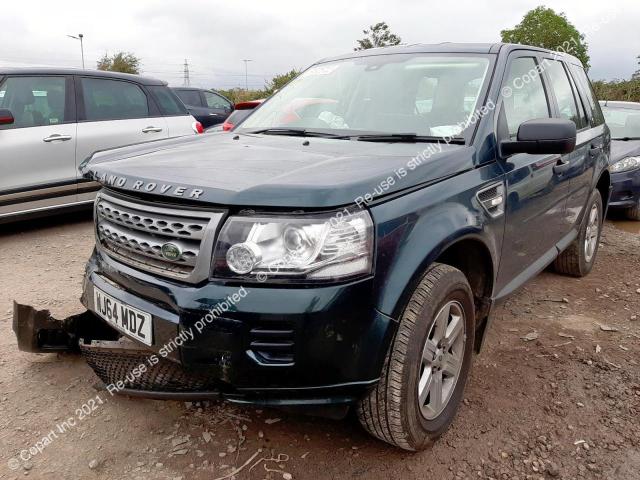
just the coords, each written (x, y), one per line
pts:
(38, 332)
(130, 370)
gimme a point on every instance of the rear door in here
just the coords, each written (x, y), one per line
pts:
(37, 158)
(536, 191)
(592, 139)
(114, 113)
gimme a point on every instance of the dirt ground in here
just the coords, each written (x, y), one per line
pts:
(554, 394)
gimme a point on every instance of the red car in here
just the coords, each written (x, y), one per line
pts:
(241, 111)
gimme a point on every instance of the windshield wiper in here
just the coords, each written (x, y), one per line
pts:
(407, 138)
(297, 132)
(626, 139)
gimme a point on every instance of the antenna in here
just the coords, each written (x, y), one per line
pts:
(186, 81)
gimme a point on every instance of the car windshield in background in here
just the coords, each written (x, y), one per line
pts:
(623, 122)
(425, 95)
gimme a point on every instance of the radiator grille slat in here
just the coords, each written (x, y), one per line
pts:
(135, 233)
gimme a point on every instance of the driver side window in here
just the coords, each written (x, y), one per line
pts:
(215, 101)
(524, 97)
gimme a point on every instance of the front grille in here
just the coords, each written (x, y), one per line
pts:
(273, 343)
(115, 362)
(134, 233)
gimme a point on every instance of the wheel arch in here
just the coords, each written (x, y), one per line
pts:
(472, 255)
(473, 258)
(604, 187)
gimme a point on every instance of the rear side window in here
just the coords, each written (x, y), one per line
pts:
(528, 99)
(34, 101)
(567, 106)
(113, 100)
(169, 104)
(190, 97)
(595, 112)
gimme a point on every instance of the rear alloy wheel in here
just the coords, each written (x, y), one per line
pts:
(427, 365)
(578, 259)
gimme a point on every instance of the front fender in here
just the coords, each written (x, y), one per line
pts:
(415, 229)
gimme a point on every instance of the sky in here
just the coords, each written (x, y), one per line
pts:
(214, 37)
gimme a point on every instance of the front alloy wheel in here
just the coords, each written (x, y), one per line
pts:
(427, 365)
(442, 360)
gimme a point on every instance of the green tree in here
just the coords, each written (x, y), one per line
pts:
(636, 75)
(241, 95)
(124, 62)
(276, 83)
(378, 35)
(279, 81)
(543, 27)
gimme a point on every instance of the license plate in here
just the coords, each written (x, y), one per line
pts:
(129, 320)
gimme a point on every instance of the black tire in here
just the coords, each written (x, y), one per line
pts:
(633, 213)
(391, 411)
(573, 261)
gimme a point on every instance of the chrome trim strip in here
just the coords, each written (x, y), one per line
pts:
(41, 209)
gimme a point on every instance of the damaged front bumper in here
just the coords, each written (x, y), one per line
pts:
(126, 368)
(336, 348)
(38, 332)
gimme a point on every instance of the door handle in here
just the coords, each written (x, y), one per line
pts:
(593, 149)
(561, 166)
(151, 129)
(56, 138)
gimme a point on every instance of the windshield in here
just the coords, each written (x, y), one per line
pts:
(426, 94)
(623, 122)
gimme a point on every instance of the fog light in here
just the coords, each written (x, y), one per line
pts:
(242, 257)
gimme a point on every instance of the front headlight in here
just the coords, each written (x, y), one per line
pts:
(625, 165)
(295, 248)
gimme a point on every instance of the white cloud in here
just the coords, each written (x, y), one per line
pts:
(282, 34)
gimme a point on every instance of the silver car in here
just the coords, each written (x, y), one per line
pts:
(53, 119)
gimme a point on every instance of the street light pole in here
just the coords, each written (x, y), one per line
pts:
(79, 37)
(246, 74)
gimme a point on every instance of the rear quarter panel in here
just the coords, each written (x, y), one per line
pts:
(181, 125)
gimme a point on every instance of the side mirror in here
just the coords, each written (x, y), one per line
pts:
(6, 117)
(542, 136)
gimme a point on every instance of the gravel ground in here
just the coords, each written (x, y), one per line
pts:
(554, 394)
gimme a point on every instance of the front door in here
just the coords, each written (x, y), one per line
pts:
(537, 187)
(38, 150)
(219, 108)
